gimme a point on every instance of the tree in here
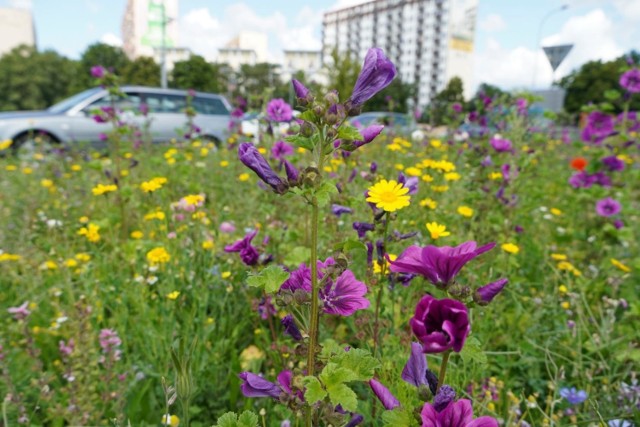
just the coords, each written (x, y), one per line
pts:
(394, 98)
(440, 105)
(343, 72)
(198, 74)
(142, 71)
(589, 83)
(110, 57)
(257, 83)
(30, 80)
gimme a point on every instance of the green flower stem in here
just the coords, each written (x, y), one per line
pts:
(443, 369)
(313, 329)
(383, 272)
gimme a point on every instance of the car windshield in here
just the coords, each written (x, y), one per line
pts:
(65, 105)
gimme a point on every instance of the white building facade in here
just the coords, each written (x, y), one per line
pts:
(16, 28)
(429, 41)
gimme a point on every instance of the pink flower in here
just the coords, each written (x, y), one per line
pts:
(455, 414)
(227, 227)
(21, 312)
(109, 340)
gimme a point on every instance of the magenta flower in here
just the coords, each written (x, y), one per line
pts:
(383, 394)
(376, 74)
(501, 145)
(455, 414)
(599, 126)
(369, 134)
(439, 265)
(457, 107)
(21, 312)
(485, 294)
(98, 71)
(279, 111)
(608, 207)
(248, 253)
(281, 149)
(109, 340)
(251, 158)
(630, 80)
(440, 325)
(345, 296)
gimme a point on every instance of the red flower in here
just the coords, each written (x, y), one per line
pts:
(579, 163)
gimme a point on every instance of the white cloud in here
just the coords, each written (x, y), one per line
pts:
(629, 9)
(21, 4)
(111, 39)
(593, 36)
(493, 23)
(204, 33)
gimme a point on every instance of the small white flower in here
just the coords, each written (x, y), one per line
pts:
(153, 268)
(138, 279)
(543, 209)
(151, 280)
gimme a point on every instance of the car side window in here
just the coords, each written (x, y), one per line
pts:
(212, 106)
(130, 102)
(163, 103)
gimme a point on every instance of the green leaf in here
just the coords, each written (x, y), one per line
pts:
(611, 94)
(248, 419)
(349, 133)
(472, 351)
(397, 417)
(229, 419)
(350, 245)
(300, 141)
(308, 116)
(329, 349)
(313, 390)
(297, 256)
(323, 194)
(268, 279)
(341, 394)
(358, 361)
(333, 374)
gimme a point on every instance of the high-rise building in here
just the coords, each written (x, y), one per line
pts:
(16, 28)
(430, 41)
(143, 25)
(247, 48)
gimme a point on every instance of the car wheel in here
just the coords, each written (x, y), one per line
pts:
(208, 138)
(27, 144)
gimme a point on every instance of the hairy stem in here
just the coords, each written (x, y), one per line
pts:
(313, 329)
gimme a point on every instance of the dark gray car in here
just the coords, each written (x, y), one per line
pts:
(72, 120)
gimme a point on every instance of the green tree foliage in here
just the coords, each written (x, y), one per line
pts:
(198, 74)
(441, 103)
(394, 97)
(31, 80)
(142, 71)
(589, 83)
(343, 72)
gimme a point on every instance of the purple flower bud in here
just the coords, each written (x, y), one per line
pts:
(290, 327)
(618, 224)
(415, 370)
(301, 91)
(374, 167)
(369, 134)
(444, 396)
(383, 394)
(98, 71)
(339, 210)
(292, 172)
(356, 420)
(362, 228)
(376, 74)
(353, 175)
(251, 157)
(380, 251)
(486, 293)
(369, 254)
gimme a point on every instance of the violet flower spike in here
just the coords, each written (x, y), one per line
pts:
(376, 74)
(251, 158)
(383, 394)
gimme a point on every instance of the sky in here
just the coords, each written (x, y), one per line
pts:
(506, 50)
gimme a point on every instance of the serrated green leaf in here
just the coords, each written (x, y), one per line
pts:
(248, 419)
(323, 194)
(359, 362)
(268, 279)
(341, 394)
(229, 419)
(297, 256)
(472, 351)
(313, 390)
(397, 417)
(308, 116)
(329, 349)
(300, 141)
(332, 374)
(349, 133)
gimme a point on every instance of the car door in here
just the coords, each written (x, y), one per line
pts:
(84, 127)
(167, 115)
(212, 116)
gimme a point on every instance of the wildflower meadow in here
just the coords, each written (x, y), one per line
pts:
(330, 275)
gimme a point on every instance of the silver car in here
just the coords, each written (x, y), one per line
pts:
(72, 120)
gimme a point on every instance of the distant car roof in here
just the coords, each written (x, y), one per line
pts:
(165, 91)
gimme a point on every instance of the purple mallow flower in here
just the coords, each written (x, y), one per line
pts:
(248, 253)
(416, 372)
(613, 163)
(369, 134)
(599, 126)
(439, 265)
(486, 294)
(455, 414)
(630, 80)
(440, 325)
(290, 327)
(281, 149)
(608, 207)
(279, 111)
(251, 158)
(98, 71)
(338, 210)
(383, 394)
(573, 396)
(501, 145)
(376, 74)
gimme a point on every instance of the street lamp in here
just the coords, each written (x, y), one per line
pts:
(535, 59)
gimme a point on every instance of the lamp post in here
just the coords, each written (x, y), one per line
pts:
(537, 47)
